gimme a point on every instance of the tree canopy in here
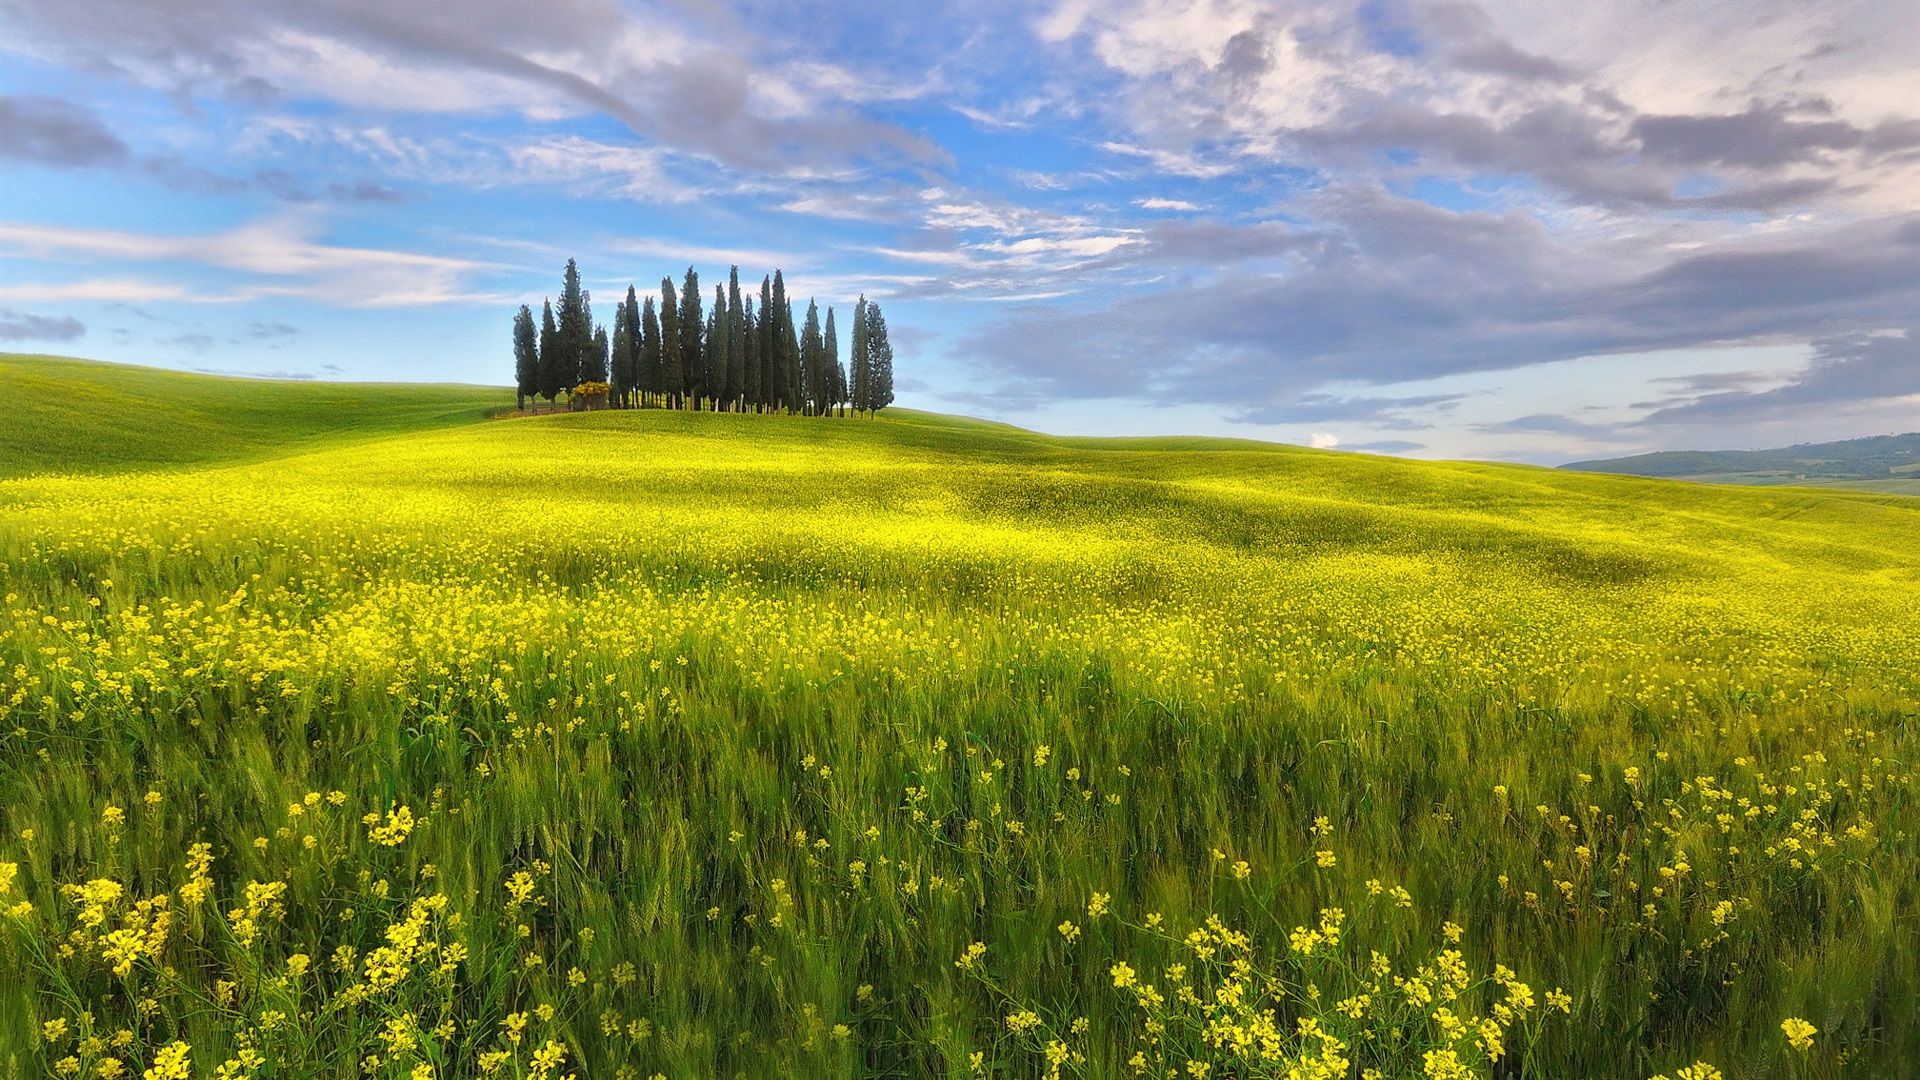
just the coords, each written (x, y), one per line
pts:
(670, 351)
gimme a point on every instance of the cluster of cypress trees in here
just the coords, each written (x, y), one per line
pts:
(737, 357)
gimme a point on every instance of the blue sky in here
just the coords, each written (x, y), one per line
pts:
(1446, 229)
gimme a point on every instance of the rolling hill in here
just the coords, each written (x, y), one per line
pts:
(923, 746)
(1878, 463)
(89, 417)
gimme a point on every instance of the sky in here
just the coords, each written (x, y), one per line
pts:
(1502, 230)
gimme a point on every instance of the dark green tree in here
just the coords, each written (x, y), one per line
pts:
(550, 351)
(673, 381)
(769, 356)
(719, 349)
(791, 350)
(880, 356)
(576, 329)
(634, 372)
(692, 328)
(591, 358)
(786, 348)
(813, 364)
(597, 357)
(620, 381)
(749, 359)
(836, 375)
(736, 342)
(860, 359)
(526, 357)
(652, 377)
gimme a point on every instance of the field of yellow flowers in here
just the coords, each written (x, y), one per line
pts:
(648, 744)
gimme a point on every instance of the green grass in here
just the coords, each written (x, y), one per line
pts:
(781, 717)
(87, 417)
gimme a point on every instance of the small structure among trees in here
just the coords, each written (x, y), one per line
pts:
(736, 357)
(589, 397)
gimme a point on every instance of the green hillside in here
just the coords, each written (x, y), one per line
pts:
(89, 417)
(1888, 463)
(659, 743)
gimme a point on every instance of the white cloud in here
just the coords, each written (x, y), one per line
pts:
(703, 256)
(580, 165)
(273, 257)
(1085, 247)
(1065, 20)
(1171, 161)
(1157, 203)
(124, 290)
(1321, 440)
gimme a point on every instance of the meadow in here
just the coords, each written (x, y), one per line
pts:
(637, 744)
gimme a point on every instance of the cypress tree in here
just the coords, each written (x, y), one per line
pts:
(617, 365)
(591, 358)
(749, 359)
(549, 353)
(691, 328)
(813, 363)
(785, 358)
(634, 371)
(790, 348)
(526, 358)
(652, 379)
(881, 358)
(769, 377)
(836, 375)
(861, 390)
(736, 342)
(673, 381)
(597, 357)
(719, 349)
(576, 331)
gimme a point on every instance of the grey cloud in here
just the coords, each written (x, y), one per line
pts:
(51, 131)
(1315, 408)
(1402, 291)
(1765, 136)
(17, 326)
(1246, 57)
(1469, 42)
(1709, 382)
(1554, 424)
(1211, 243)
(1846, 370)
(366, 191)
(703, 102)
(55, 132)
(1571, 148)
(1543, 119)
(1493, 56)
(199, 343)
(183, 176)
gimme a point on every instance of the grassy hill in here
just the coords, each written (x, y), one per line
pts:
(711, 744)
(1889, 463)
(85, 416)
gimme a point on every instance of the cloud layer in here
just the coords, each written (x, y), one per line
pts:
(1377, 223)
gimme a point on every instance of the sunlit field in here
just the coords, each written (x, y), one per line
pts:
(635, 744)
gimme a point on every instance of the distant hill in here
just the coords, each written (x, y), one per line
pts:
(1879, 463)
(85, 416)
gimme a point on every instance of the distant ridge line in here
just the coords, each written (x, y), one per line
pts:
(1871, 458)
